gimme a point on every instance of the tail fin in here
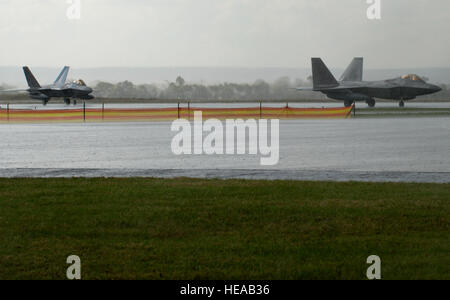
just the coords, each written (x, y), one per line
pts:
(354, 72)
(32, 82)
(322, 77)
(62, 77)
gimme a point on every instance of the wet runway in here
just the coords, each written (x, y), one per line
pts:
(423, 177)
(380, 149)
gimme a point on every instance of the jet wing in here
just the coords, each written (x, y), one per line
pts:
(350, 86)
(346, 87)
(337, 88)
(14, 91)
(304, 88)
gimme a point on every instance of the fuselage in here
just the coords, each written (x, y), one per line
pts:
(351, 87)
(393, 89)
(68, 90)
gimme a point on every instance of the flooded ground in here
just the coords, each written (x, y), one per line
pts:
(365, 149)
(423, 177)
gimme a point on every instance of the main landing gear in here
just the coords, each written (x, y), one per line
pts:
(371, 102)
(67, 101)
(402, 104)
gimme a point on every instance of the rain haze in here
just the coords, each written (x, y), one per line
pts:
(217, 33)
(224, 140)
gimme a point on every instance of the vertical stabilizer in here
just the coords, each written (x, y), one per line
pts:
(61, 80)
(32, 82)
(354, 71)
(322, 77)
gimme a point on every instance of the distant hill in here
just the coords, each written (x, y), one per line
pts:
(206, 75)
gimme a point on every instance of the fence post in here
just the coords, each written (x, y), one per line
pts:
(103, 110)
(189, 110)
(84, 111)
(7, 112)
(354, 108)
(260, 110)
(178, 110)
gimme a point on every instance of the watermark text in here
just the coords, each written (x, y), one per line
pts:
(227, 139)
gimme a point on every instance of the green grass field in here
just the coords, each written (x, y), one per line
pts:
(211, 229)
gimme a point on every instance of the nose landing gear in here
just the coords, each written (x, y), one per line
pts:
(402, 104)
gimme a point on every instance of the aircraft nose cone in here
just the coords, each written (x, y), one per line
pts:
(436, 88)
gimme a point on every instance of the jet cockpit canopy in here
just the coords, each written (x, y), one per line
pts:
(79, 82)
(413, 77)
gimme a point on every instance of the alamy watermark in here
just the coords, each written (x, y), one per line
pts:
(374, 271)
(190, 138)
(374, 10)
(74, 10)
(74, 270)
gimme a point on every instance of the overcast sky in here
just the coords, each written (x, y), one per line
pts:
(234, 33)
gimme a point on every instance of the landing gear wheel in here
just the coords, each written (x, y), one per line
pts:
(67, 101)
(74, 102)
(348, 103)
(44, 102)
(371, 103)
(402, 104)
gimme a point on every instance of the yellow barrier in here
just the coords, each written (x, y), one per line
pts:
(167, 114)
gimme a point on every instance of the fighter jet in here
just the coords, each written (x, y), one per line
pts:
(59, 89)
(351, 87)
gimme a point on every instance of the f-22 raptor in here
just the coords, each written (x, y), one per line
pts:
(59, 89)
(351, 87)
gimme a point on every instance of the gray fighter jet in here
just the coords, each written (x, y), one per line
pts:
(351, 87)
(59, 89)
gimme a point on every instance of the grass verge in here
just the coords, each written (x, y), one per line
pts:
(212, 229)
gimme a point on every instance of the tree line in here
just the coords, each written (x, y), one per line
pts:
(281, 89)
(259, 90)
